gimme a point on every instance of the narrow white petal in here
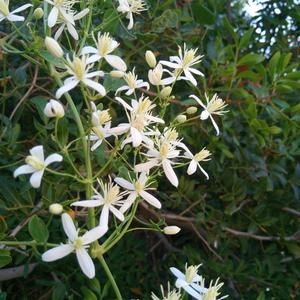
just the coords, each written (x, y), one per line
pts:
(87, 203)
(86, 263)
(21, 8)
(190, 77)
(93, 58)
(117, 213)
(52, 18)
(72, 31)
(177, 273)
(38, 152)
(145, 167)
(93, 235)
(89, 50)
(215, 124)
(124, 183)
(170, 174)
(198, 100)
(66, 88)
(136, 137)
(36, 178)
(25, 169)
(128, 202)
(95, 85)
(104, 216)
(170, 64)
(203, 171)
(69, 227)
(192, 167)
(195, 71)
(15, 18)
(116, 62)
(57, 252)
(81, 14)
(150, 199)
(192, 292)
(125, 105)
(130, 17)
(53, 158)
(59, 31)
(94, 74)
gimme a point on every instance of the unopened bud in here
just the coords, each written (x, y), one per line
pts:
(166, 92)
(56, 209)
(191, 110)
(116, 74)
(150, 59)
(181, 118)
(38, 13)
(171, 230)
(53, 47)
(54, 109)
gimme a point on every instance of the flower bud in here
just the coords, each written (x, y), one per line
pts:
(191, 110)
(166, 92)
(116, 74)
(54, 109)
(150, 59)
(38, 13)
(56, 209)
(181, 118)
(53, 47)
(171, 230)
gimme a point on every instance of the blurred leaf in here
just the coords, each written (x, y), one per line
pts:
(38, 229)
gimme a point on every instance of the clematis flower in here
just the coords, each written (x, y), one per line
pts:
(183, 64)
(11, 16)
(155, 76)
(190, 281)
(79, 69)
(109, 199)
(77, 244)
(214, 106)
(212, 292)
(133, 83)
(104, 46)
(139, 116)
(54, 109)
(60, 7)
(137, 188)
(70, 25)
(162, 154)
(130, 7)
(36, 165)
(171, 295)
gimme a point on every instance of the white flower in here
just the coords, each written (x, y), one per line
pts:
(79, 69)
(54, 109)
(189, 281)
(214, 106)
(155, 76)
(110, 197)
(59, 8)
(36, 164)
(137, 188)
(99, 133)
(184, 62)
(212, 292)
(162, 155)
(77, 244)
(171, 295)
(11, 16)
(131, 7)
(68, 20)
(133, 83)
(139, 115)
(104, 46)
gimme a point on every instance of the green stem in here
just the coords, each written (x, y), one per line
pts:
(110, 277)
(28, 243)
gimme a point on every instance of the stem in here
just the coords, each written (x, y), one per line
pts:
(110, 277)
(28, 243)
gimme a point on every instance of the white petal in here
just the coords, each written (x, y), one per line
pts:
(25, 169)
(88, 50)
(59, 31)
(21, 8)
(125, 105)
(192, 292)
(170, 172)
(120, 129)
(94, 74)
(136, 137)
(15, 18)
(145, 167)
(93, 235)
(104, 216)
(86, 263)
(81, 14)
(117, 213)
(69, 227)
(72, 31)
(177, 273)
(150, 199)
(170, 64)
(198, 100)
(36, 178)
(195, 71)
(38, 152)
(57, 252)
(87, 203)
(52, 18)
(155, 119)
(128, 202)
(53, 158)
(215, 124)
(66, 87)
(203, 171)
(124, 183)
(116, 62)
(190, 77)
(192, 167)
(130, 24)
(97, 144)
(93, 58)
(96, 86)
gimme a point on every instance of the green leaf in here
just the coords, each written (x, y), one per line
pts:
(273, 64)
(88, 294)
(5, 258)
(168, 19)
(246, 38)
(250, 59)
(261, 296)
(230, 29)
(38, 230)
(63, 131)
(275, 130)
(203, 15)
(57, 62)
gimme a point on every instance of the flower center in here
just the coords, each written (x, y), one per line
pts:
(112, 194)
(164, 150)
(78, 66)
(215, 104)
(78, 244)
(104, 45)
(138, 186)
(131, 79)
(190, 273)
(211, 294)
(188, 58)
(4, 8)
(202, 155)
(35, 162)
(136, 6)
(139, 122)
(104, 116)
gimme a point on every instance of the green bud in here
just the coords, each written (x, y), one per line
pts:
(191, 110)
(166, 92)
(38, 13)
(181, 118)
(150, 59)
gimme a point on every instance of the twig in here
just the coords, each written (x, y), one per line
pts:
(291, 211)
(16, 272)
